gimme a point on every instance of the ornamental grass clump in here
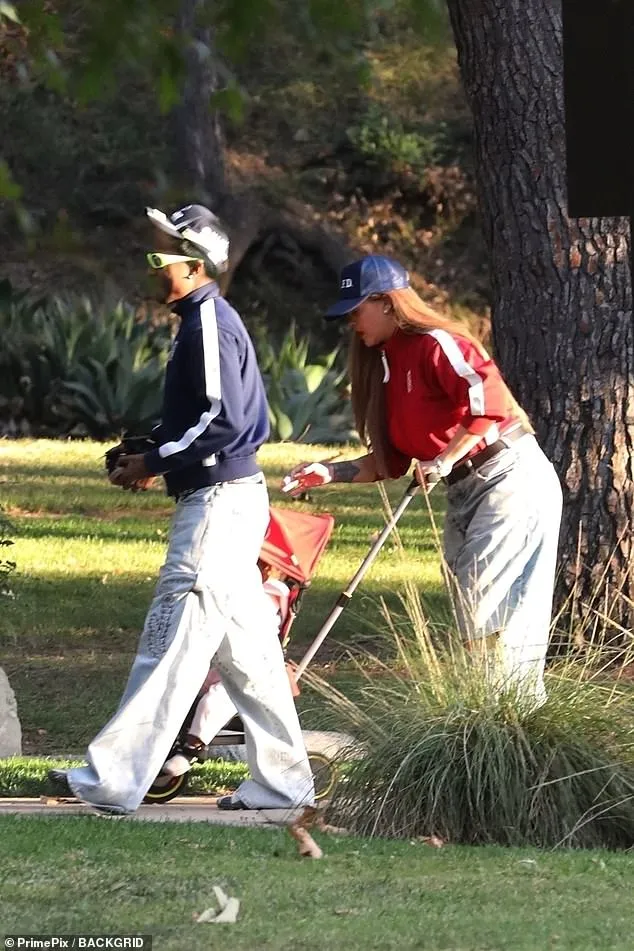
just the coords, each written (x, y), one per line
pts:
(441, 749)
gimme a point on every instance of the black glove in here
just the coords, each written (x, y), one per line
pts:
(129, 446)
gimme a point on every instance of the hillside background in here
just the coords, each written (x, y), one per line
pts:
(370, 143)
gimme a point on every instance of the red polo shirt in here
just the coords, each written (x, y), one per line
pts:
(435, 382)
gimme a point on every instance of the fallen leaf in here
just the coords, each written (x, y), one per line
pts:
(433, 840)
(229, 908)
(313, 817)
(229, 914)
(221, 897)
(209, 914)
(308, 848)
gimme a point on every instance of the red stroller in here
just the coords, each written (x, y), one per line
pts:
(292, 547)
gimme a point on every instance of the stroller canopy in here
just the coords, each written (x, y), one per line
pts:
(295, 541)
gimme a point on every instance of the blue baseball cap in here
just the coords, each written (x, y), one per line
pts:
(374, 274)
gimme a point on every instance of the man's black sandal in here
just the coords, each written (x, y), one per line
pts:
(59, 779)
(228, 802)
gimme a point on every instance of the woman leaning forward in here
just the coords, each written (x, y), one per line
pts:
(424, 389)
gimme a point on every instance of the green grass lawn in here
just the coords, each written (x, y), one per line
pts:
(88, 556)
(92, 875)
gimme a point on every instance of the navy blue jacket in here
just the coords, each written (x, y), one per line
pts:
(215, 414)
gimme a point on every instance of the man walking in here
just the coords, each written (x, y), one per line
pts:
(209, 600)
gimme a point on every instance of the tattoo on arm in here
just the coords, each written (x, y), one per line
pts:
(345, 471)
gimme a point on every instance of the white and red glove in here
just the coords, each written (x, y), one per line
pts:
(308, 475)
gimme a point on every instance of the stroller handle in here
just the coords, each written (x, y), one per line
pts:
(344, 598)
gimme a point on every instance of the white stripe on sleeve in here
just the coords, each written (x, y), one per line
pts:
(211, 359)
(464, 369)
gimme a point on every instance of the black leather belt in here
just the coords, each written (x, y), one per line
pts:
(479, 458)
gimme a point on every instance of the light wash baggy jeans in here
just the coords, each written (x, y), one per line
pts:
(208, 601)
(500, 542)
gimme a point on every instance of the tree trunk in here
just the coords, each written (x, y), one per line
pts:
(196, 128)
(199, 167)
(562, 297)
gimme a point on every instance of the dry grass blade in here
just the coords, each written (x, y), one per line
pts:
(454, 753)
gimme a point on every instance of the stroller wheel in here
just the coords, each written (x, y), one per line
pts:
(165, 788)
(324, 774)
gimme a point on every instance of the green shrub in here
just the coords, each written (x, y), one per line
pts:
(20, 367)
(116, 383)
(445, 754)
(90, 161)
(308, 401)
(74, 366)
(384, 142)
(72, 363)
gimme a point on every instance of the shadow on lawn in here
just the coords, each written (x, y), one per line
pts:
(151, 527)
(128, 526)
(64, 700)
(52, 614)
(89, 478)
(68, 647)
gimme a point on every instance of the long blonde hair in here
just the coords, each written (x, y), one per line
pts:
(365, 368)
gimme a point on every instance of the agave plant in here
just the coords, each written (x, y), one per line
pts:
(307, 400)
(125, 395)
(20, 323)
(71, 360)
(77, 330)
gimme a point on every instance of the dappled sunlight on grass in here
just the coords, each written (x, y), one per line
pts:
(88, 556)
(75, 523)
(54, 557)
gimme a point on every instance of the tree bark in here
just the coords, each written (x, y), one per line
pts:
(199, 164)
(562, 294)
(196, 128)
